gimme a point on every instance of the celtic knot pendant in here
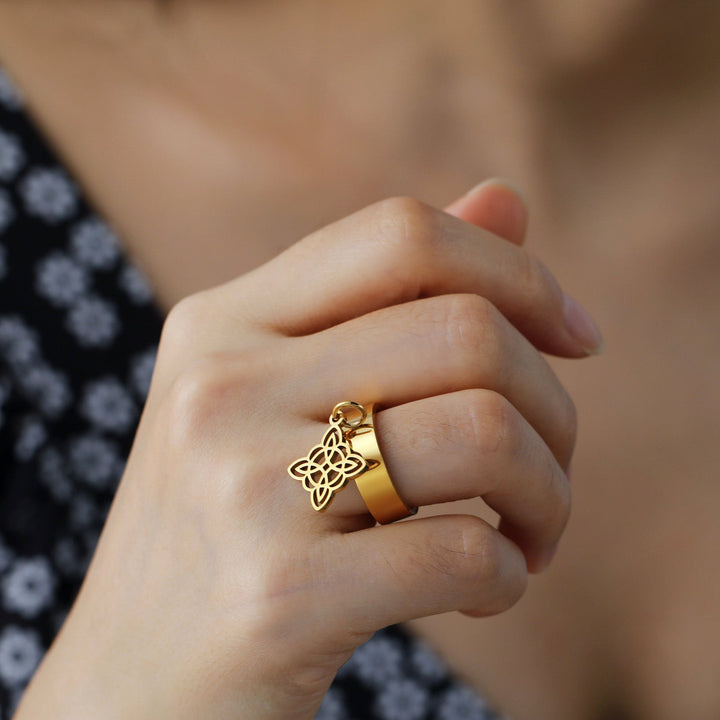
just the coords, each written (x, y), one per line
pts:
(329, 466)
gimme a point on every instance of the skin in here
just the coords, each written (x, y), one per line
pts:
(606, 114)
(169, 623)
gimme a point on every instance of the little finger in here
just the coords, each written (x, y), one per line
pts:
(425, 567)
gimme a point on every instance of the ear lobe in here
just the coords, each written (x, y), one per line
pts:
(494, 205)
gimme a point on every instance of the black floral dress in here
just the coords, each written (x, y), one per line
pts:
(79, 328)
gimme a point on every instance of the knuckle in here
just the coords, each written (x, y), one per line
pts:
(568, 423)
(203, 397)
(404, 209)
(537, 283)
(493, 423)
(479, 567)
(515, 590)
(497, 579)
(473, 329)
(183, 320)
(532, 278)
(403, 226)
(461, 553)
(479, 553)
(564, 503)
(553, 514)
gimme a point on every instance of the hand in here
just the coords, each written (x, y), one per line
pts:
(216, 591)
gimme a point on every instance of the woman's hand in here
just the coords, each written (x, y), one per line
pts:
(216, 591)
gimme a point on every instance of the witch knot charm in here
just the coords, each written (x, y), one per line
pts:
(328, 467)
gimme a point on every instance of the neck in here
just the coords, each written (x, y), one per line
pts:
(576, 106)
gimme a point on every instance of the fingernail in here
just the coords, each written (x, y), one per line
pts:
(498, 181)
(582, 327)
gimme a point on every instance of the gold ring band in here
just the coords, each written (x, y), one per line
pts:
(374, 484)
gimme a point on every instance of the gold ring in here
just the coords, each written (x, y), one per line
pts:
(349, 450)
(374, 483)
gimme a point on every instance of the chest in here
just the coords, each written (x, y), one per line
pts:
(211, 157)
(630, 609)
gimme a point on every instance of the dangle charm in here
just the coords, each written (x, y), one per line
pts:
(329, 466)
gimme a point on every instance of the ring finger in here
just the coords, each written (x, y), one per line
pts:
(466, 444)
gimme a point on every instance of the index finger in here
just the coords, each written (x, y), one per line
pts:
(399, 250)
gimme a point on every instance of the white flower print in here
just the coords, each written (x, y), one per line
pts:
(141, 371)
(93, 322)
(31, 437)
(18, 343)
(12, 156)
(20, 653)
(332, 706)
(377, 661)
(48, 388)
(10, 96)
(27, 588)
(53, 474)
(95, 460)
(403, 700)
(94, 244)
(7, 211)
(426, 662)
(108, 405)
(49, 194)
(59, 279)
(462, 702)
(135, 284)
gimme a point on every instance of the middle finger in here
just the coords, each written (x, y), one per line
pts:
(431, 347)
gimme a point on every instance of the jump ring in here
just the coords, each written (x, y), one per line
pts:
(339, 412)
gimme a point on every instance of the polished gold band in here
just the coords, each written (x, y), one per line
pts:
(374, 484)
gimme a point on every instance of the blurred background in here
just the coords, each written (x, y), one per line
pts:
(268, 119)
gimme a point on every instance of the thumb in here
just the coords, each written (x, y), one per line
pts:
(494, 205)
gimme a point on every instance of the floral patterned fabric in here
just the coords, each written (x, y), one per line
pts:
(78, 336)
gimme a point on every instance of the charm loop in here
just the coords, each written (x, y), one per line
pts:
(344, 408)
